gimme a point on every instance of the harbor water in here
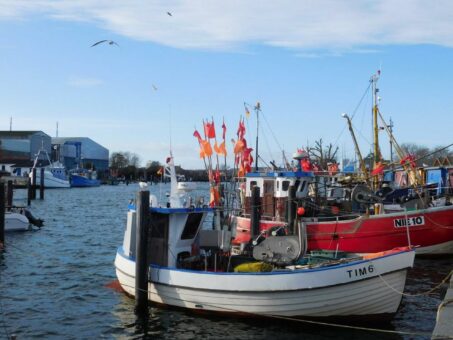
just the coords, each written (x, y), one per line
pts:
(59, 282)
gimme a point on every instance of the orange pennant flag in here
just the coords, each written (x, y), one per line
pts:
(206, 147)
(214, 197)
(220, 149)
(239, 146)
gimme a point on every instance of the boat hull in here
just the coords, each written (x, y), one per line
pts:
(50, 181)
(81, 181)
(16, 222)
(430, 230)
(325, 292)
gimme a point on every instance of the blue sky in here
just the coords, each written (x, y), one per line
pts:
(306, 62)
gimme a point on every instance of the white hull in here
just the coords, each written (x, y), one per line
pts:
(50, 181)
(16, 222)
(322, 292)
(445, 248)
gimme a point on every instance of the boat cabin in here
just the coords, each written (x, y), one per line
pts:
(167, 246)
(274, 191)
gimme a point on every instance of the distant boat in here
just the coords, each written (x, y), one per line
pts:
(84, 178)
(55, 174)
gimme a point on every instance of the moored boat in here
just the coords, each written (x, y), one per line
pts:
(84, 178)
(55, 174)
(275, 277)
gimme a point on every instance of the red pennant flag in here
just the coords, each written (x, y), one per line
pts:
(209, 130)
(378, 170)
(241, 130)
(197, 135)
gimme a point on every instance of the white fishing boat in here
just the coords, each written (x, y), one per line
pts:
(55, 174)
(275, 277)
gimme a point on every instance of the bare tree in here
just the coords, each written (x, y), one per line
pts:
(323, 154)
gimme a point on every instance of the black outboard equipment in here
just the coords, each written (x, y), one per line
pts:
(37, 222)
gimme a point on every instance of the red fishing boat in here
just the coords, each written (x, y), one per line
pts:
(348, 212)
(330, 226)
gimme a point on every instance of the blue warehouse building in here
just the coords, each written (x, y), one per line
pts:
(83, 152)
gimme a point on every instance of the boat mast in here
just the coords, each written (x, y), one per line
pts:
(414, 176)
(357, 150)
(257, 110)
(376, 152)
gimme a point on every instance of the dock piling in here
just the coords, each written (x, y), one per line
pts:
(41, 185)
(141, 258)
(256, 215)
(2, 214)
(291, 207)
(9, 194)
(33, 184)
(29, 191)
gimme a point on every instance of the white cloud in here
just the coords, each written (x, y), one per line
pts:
(302, 25)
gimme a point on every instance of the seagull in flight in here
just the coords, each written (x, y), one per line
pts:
(169, 14)
(110, 42)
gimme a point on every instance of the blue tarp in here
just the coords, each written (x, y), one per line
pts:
(437, 176)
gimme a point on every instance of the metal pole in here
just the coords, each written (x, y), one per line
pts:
(257, 132)
(9, 194)
(141, 261)
(256, 216)
(2, 214)
(41, 185)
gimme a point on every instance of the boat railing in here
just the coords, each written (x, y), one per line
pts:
(337, 218)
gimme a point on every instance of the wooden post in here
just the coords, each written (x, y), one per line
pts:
(2, 214)
(29, 191)
(141, 258)
(33, 184)
(291, 208)
(41, 185)
(256, 212)
(9, 194)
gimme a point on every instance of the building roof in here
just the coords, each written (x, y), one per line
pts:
(15, 133)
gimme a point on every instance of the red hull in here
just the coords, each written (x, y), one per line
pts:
(430, 229)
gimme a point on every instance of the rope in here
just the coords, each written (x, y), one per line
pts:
(272, 316)
(419, 294)
(442, 305)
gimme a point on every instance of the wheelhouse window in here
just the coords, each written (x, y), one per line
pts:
(285, 185)
(191, 227)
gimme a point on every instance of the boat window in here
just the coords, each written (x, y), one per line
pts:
(159, 225)
(268, 187)
(191, 227)
(252, 184)
(301, 186)
(285, 185)
(278, 185)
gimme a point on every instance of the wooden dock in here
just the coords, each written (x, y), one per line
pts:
(444, 324)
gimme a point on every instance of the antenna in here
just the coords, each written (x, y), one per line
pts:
(56, 134)
(171, 147)
(10, 123)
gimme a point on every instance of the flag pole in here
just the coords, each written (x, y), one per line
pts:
(257, 110)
